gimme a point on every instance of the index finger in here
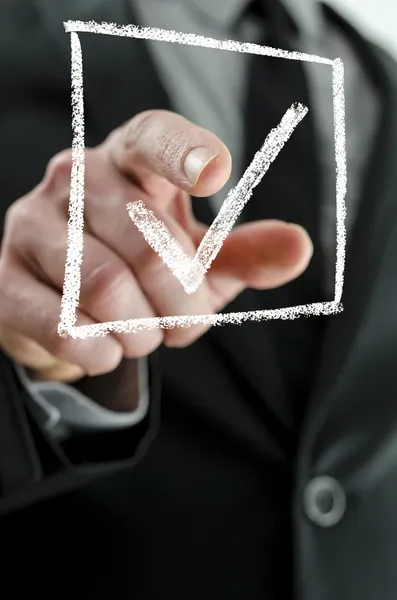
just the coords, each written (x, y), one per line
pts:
(167, 145)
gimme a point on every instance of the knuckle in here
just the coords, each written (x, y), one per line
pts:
(24, 220)
(137, 128)
(15, 213)
(153, 342)
(65, 350)
(104, 285)
(55, 344)
(95, 173)
(139, 124)
(79, 353)
(143, 344)
(22, 211)
(58, 171)
(153, 269)
(60, 163)
(180, 339)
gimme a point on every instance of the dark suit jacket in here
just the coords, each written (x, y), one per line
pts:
(200, 501)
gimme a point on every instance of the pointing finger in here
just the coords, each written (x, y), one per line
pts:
(260, 255)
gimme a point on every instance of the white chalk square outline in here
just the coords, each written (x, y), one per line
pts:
(74, 256)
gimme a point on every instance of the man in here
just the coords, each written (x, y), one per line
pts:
(270, 471)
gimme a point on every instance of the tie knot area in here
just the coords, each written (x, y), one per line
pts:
(279, 26)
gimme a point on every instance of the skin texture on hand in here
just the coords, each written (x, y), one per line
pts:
(162, 159)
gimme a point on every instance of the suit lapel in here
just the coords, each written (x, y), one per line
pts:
(120, 81)
(365, 249)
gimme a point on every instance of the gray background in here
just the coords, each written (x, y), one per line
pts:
(377, 17)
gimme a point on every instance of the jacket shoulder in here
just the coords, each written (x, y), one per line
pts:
(27, 59)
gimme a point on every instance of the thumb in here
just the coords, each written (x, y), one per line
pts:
(260, 255)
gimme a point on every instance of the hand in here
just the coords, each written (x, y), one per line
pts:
(160, 158)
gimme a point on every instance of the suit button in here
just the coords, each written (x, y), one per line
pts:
(324, 501)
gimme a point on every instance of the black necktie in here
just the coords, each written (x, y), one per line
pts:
(290, 191)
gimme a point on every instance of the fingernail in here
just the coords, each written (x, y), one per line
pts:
(196, 161)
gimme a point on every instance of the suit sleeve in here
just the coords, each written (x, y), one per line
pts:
(35, 466)
(35, 124)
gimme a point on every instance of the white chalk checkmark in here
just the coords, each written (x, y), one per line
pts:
(190, 271)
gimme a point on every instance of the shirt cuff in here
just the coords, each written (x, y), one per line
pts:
(62, 409)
